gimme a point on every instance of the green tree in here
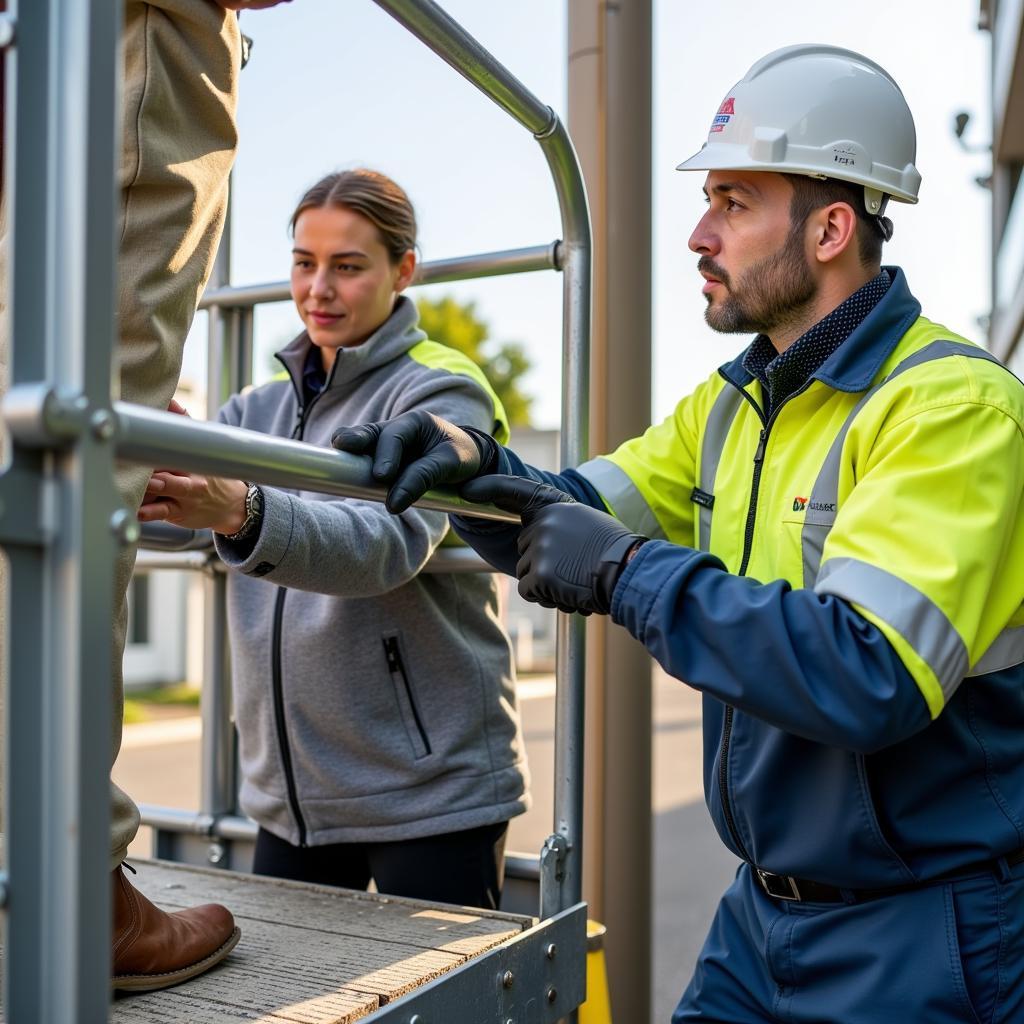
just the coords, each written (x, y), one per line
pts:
(458, 325)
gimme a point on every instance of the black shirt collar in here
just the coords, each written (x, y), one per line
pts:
(782, 374)
(314, 376)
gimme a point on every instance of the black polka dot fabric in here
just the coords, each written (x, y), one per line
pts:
(781, 375)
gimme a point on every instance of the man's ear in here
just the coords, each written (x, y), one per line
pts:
(835, 230)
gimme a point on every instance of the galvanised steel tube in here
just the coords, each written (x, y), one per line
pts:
(173, 547)
(217, 331)
(61, 170)
(570, 658)
(173, 819)
(490, 264)
(163, 536)
(245, 328)
(27, 142)
(576, 292)
(459, 268)
(443, 560)
(166, 439)
(454, 45)
(237, 826)
(229, 367)
(217, 758)
(186, 561)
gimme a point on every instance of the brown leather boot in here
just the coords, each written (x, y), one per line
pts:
(154, 949)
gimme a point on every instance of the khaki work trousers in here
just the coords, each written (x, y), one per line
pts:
(181, 64)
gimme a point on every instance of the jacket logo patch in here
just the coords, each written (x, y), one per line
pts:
(724, 115)
(702, 498)
(804, 504)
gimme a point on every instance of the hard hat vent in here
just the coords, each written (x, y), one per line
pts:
(769, 145)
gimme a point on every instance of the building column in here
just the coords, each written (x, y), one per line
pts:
(610, 123)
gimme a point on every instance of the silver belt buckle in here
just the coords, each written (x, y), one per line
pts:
(780, 887)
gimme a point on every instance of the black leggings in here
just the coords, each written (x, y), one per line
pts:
(466, 868)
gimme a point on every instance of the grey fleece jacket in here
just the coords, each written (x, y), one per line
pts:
(372, 703)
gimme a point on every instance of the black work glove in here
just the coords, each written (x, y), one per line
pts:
(416, 452)
(571, 555)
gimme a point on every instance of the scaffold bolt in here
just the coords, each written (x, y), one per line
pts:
(551, 952)
(102, 422)
(416, 1019)
(215, 853)
(507, 978)
(552, 995)
(125, 526)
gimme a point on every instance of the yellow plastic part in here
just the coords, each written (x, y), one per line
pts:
(597, 1009)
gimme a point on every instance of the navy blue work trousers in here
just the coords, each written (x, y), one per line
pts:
(949, 953)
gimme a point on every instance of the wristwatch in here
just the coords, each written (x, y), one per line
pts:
(253, 514)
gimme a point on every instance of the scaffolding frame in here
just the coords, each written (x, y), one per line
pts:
(61, 521)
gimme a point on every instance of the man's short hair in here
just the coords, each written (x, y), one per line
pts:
(810, 194)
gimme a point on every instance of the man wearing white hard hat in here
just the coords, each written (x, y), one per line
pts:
(826, 539)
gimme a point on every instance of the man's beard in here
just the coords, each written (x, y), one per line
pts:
(774, 292)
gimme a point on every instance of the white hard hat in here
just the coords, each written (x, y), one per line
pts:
(820, 111)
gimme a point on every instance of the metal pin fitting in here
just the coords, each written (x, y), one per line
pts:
(125, 526)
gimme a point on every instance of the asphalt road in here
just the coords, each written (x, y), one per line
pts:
(159, 764)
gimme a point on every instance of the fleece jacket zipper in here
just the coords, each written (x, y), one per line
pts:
(277, 670)
(397, 669)
(279, 719)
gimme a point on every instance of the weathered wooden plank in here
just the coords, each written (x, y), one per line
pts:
(178, 1006)
(341, 912)
(276, 973)
(308, 954)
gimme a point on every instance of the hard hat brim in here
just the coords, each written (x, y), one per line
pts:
(728, 157)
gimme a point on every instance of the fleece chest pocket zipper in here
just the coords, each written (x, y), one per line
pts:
(406, 699)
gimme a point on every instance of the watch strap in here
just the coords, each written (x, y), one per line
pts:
(253, 514)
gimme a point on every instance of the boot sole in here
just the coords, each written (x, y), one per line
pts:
(152, 982)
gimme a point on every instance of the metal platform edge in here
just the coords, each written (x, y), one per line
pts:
(525, 985)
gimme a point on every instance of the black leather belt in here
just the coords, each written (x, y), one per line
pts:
(803, 890)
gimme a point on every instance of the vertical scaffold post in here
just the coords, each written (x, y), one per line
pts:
(570, 666)
(59, 518)
(218, 790)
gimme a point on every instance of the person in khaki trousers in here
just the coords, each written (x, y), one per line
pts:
(181, 64)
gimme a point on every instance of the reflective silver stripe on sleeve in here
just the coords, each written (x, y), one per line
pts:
(623, 497)
(1006, 651)
(825, 493)
(716, 430)
(912, 614)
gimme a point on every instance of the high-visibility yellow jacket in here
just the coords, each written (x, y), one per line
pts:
(845, 583)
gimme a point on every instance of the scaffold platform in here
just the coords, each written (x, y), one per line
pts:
(309, 954)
